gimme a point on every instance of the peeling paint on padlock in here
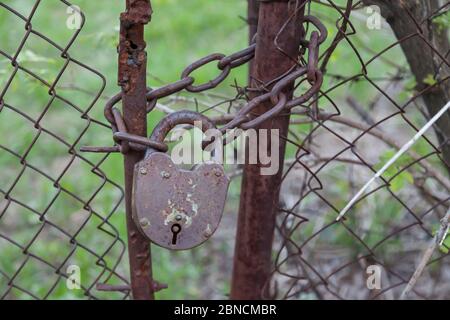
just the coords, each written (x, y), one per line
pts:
(191, 199)
(184, 206)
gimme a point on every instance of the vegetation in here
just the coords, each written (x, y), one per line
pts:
(180, 32)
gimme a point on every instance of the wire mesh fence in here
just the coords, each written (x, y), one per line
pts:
(50, 215)
(382, 81)
(340, 147)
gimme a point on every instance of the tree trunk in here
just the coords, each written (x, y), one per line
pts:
(422, 58)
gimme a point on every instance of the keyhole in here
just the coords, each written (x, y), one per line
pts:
(176, 228)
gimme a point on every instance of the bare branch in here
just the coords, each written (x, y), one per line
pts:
(437, 240)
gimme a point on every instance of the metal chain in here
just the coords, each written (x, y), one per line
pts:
(243, 119)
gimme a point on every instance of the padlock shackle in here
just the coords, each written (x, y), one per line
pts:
(176, 118)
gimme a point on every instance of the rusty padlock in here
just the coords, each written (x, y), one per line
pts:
(175, 208)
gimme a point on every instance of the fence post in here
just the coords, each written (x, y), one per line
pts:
(252, 20)
(132, 79)
(259, 193)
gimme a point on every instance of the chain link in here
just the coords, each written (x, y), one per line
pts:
(200, 63)
(243, 118)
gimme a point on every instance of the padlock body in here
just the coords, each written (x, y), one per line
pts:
(176, 208)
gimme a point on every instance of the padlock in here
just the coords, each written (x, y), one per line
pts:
(175, 208)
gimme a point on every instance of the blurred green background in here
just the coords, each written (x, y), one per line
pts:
(180, 32)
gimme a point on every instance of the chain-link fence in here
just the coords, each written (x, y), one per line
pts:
(51, 220)
(367, 77)
(366, 111)
(364, 116)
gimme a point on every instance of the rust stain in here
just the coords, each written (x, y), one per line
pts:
(132, 55)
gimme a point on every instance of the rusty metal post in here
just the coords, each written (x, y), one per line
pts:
(132, 79)
(252, 17)
(252, 20)
(260, 193)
